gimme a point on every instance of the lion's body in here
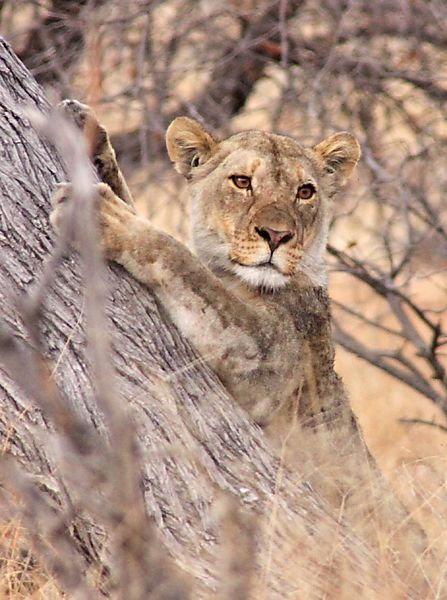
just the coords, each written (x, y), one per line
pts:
(252, 297)
(239, 298)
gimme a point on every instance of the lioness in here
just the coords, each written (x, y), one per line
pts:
(251, 295)
(245, 296)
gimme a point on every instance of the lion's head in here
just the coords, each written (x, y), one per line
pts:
(260, 200)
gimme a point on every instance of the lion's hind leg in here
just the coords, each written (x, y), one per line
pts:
(99, 146)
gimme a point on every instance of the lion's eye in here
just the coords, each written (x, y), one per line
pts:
(241, 181)
(306, 191)
(195, 161)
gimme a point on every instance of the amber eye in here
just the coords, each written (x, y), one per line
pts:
(306, 191)
(241, 181)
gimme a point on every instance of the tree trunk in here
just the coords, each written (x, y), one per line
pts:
(195, 443)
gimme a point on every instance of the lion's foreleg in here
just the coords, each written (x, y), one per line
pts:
(99, 147)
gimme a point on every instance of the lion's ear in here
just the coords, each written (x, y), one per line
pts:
(189, 144)
(340, 153)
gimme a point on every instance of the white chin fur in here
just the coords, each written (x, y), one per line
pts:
(261, 276)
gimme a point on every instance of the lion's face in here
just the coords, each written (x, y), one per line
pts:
(260, 200)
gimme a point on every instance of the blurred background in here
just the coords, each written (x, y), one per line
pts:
(306, 68)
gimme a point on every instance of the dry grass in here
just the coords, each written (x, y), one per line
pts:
(21, 575)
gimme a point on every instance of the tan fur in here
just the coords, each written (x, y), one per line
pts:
(259, 317)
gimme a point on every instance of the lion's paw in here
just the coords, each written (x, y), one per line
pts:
(76, 112)
(85, 119)
(114, 216)
(116, 220)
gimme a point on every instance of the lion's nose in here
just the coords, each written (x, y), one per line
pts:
(273, 237)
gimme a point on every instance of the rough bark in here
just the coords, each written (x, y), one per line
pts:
(195, 443)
